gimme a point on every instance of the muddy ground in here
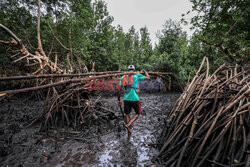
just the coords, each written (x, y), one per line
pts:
(102, 143)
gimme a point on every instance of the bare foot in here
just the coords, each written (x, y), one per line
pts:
(129, 132)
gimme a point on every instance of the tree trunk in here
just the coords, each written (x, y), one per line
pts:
(40, 48)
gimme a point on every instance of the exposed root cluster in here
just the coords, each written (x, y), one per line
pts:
(19, 51)
(72, 106)
(209, 123)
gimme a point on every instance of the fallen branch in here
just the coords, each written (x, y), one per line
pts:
(72, 75)
(67, 82)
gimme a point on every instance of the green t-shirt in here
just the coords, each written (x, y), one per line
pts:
(132, 94)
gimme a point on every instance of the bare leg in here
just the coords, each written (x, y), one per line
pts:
(127, 118)
(132, 120)
(128, 128)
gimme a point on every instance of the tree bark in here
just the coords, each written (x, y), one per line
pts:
(40, 48)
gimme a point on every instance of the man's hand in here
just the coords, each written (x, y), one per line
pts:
(147, 76)
(119, 103)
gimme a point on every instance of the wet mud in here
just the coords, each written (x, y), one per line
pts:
(100, 143)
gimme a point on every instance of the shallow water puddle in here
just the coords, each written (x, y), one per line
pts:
(113, 149)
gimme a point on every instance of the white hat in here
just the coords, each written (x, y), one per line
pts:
(131, 67)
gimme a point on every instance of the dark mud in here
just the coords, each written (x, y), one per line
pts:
(102, 143)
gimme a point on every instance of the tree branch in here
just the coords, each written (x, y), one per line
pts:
(57, 38)
(221, 46)
(8, 31)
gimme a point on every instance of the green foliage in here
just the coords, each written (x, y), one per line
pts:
(173, 52)
(223, 23)
(80, 32)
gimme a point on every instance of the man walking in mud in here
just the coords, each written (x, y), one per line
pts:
(131, 97)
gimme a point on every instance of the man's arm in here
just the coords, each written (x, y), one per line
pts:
(146, 74)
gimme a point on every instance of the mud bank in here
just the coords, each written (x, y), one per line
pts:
(93, 144)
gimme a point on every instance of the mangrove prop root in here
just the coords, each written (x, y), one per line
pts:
(210, 120)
